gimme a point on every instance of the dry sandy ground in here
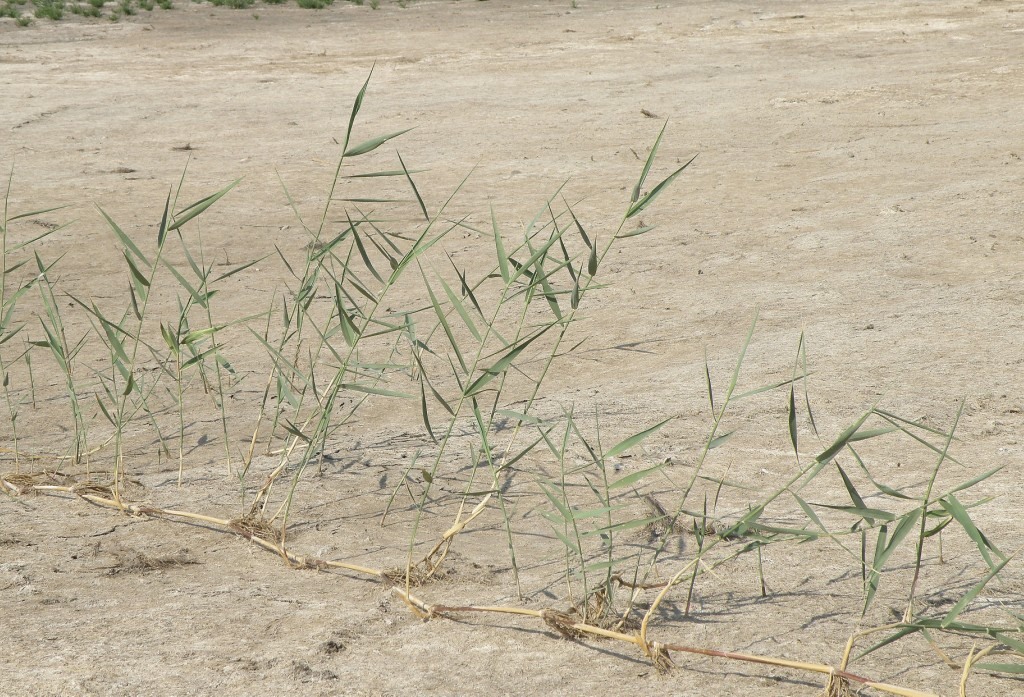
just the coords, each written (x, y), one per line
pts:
(859, 179)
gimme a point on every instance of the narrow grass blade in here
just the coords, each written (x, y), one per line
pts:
(373, 143)
(169, 338)
(348, 328)
(11, 334)
(200, 274)
(801, 533)
(885, 489)
(461, 309)
(579, 228)
(384, 173)
(370, 389)
(502, 364)
(33, 213)
(1015, 644)
(11, 269)
(362, 290)
(296, 431)
(419, 199)
(973, 593)
(720, 440)
(103, 409)
(567, 541)
(392, 262)
(791, 418)
(739, 361)
(895, 636)
(237, 269)
(549, 296)
(624, 526)
(519, 416)
(200, 206)
(902, 529)
(125, 240)
(653, 193)
(910, 422)
(957, 510)
(633, 478)
(32, 240)
(284, 391)
(362, 252)
(424, 413)
(980, 478)
(139, 280)
(875, 574)
(437, 395)
(199, 357)
(520, 269)
(861, 511)
(608, 564)
(161, 232)
(356, 106)
(635, 439)
(988, 630)
(574, 299)
(843, 439)
(871, 433)
(199, 334)
(585, 513)
(467, 291)
(707, 381)
(499, 247)
(1012, 668)
(284, 260)
(884, 550)
(809, 512)
(547, 488)
(647, 165)
(768, 388)
(54, 345)
(279, 358)
(444, 325)
(366, 199)
(635, 232)
(535, 257)
(852, 491)
(111, 331)
(942, 452)
(200, 298)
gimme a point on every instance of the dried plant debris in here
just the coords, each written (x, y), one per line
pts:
(665, 525)
(136, 562)
(25, 483)
(562, 623)
(415, 577)
(251, 526)
(837, 687)
(599, 611)
(20, 484)
(660, 658)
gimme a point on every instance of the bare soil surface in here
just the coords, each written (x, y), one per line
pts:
(859, 180)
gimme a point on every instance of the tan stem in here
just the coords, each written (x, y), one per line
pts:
(425, 610)
(972, 658)
(657, 601)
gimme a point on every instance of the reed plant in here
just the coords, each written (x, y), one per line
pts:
(374, 309)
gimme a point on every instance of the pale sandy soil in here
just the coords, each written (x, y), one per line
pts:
(859, 179)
